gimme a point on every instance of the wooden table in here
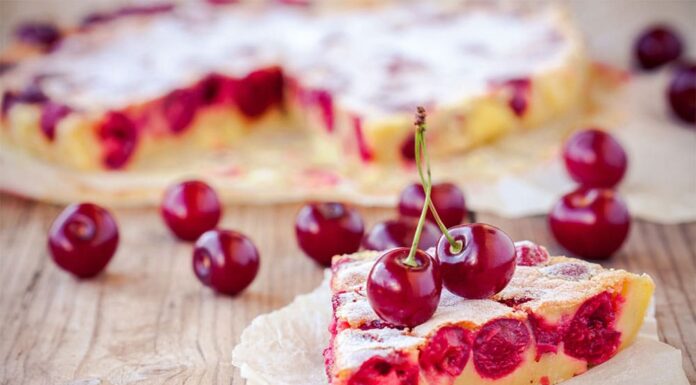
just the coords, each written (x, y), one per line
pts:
(147, 320)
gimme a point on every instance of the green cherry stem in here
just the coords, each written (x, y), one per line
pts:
(426, 182)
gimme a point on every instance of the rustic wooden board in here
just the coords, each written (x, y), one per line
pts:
(149, 321)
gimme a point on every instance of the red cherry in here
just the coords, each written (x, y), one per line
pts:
(499, 346)
(591, 335)
(485, 264)
(42, 34)
(51, 114)
(592, 223)
(530, 254)
(225, 260)
(324, 230)
(656, 46)
(447, 198)
(594, 158)
(179, 108)
(119, 139)
(401, 294)
(190, 209)
(399, 233)
(83, 239)
(682, 93)
(258, 91)
(446, 353)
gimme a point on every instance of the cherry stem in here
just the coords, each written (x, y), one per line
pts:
(426, 182)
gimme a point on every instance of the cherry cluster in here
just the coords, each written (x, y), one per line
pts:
(658, 46)
(473, 261)
(84, 238)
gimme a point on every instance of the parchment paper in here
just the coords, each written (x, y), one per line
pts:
(285, 347)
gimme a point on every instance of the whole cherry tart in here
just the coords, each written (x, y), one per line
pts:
(225, 260)
(83, 239)
(447, 198)
(594, 158)
(482, 262)
(327, 229)
(590, 222)
(190, 208)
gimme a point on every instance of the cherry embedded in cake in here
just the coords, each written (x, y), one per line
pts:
(557, 318)
(175, 80)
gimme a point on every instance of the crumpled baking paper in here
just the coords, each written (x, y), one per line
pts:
(285, 347)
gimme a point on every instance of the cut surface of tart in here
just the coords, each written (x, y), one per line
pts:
(557, 318)
(124, 89)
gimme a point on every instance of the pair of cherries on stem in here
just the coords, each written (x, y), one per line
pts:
(472, 261)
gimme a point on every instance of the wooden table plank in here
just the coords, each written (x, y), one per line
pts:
(148, 320)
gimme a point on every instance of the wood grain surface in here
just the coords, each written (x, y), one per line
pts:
(147, 320)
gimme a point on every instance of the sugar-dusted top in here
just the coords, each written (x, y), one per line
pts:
(375, 61)
(559, 283)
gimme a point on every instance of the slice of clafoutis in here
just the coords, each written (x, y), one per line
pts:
(555, 320)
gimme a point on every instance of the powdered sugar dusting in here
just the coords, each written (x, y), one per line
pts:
(370, 59)
(561, 281)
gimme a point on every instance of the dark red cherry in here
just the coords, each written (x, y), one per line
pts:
(42, 34)
(51, 114)
(447, 198)
(401, 294)
(682, 93)
(225, 260)
(119, 139)
(485, 264)
(258, 91)
(591, 223)
(594, 158)
(83, 239)
(190, 208)
(399, 233)
(327, 229)
(656, 46)
(179, 108)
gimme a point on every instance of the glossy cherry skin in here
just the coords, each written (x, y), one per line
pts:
(447, 198)
(399, 233)
(591, 223)
(327, 229)
(682, 93)
(82, 239)
(401, 294)
(225, 260)
(594, 158)
(190, 208)
(485, 264)
(656, 46)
